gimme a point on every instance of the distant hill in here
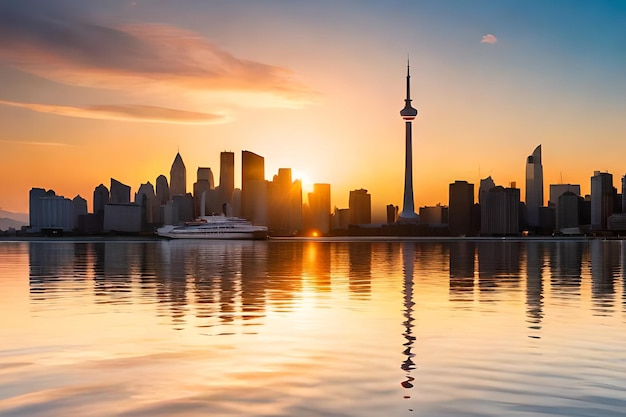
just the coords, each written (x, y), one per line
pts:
(9, 219)
(20, 217)
(6, 224)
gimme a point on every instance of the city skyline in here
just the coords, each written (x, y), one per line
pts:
(489, 89)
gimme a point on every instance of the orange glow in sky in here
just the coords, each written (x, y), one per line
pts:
(95, 91)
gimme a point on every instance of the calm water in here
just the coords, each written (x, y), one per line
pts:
(312, 328)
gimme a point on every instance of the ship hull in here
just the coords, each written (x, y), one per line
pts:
(257, 235)
(215, 228)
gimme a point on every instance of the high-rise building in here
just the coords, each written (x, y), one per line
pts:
(434, 216)
(284, 198)
(227, 177)
(178, 177)
(203, 195)
(602, 195)
(360, 203)
(503, 211)
(460, 207)
(408, 113)
(319, 208)
(101, 197)
(80, 208)
(567, 208)
(534, 187)
(483, 191)
(120, 193)
(392, 213)
(205, 174)
(49, 212)
(624, 194)
(556, 190)
(150, 207)
(162, 190)
(252, 170)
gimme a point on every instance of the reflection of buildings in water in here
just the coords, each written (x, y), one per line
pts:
(605, 257)
(284, 273)
(360, 262)
(113, 270)
(462, 256)
(254, 261)
(534, 284)
(171, 280)
(212, 270)
(622, 246)
(498, 268)
(316, 265)
(565, 268)
(408, 365)
(51, 265)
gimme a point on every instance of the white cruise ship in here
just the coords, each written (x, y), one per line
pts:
(214, 227)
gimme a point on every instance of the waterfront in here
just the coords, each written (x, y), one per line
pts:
(313, 328)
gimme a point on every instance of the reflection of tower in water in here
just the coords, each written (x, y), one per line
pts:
(534, 287)
(408, 365)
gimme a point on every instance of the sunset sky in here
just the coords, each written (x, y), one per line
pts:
(97, 89)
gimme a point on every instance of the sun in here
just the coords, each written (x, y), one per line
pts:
(307, 183)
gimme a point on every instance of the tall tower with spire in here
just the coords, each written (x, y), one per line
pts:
(408, 113)
(178, 177)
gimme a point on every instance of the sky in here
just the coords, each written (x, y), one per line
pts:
(94, 90)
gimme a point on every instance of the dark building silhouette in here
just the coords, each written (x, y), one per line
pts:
(202, 193)
(360, 204)
(100, 199)
(567, 211)
(178, 177)
(150, 207)
(120, 193)
(80, 209)
(503, 211)
(253, 188)
(162, 190)
(284, 198)
(392, 213)
(227, 177)
(602, 199)
(534, 188)
(486, 184)
(461, 204)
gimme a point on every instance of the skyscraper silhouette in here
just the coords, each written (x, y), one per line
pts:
(460, 206)
(252, 185)
(162, 189)
(408, 113)
(178, 177)
(534, 187)
(601, 199)
(120, 193)
(227, 177)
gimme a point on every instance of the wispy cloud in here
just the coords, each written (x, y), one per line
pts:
(123, 112)
(34, 143)
(489, 38)
(74, 50)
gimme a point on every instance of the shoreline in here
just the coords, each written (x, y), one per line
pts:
(326, 239)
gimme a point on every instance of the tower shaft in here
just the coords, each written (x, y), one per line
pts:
(408, 113)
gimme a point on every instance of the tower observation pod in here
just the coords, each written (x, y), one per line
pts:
(408, 113)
